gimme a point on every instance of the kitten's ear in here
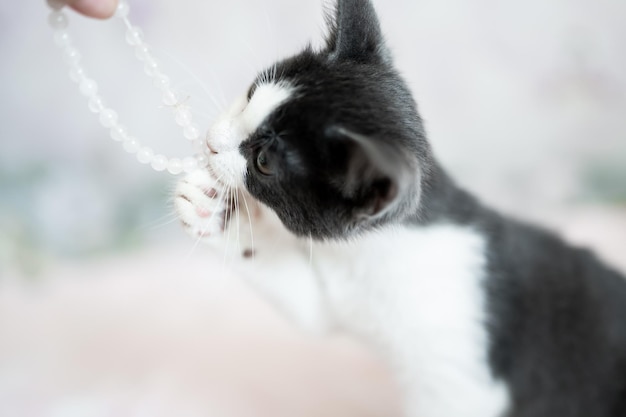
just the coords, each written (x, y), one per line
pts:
(376, 174)
(355, 33)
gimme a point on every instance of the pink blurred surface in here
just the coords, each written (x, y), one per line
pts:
(163, 333)
(153, 335)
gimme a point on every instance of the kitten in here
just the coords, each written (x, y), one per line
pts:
(322, 177)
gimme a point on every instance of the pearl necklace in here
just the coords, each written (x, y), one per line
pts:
(108, 117)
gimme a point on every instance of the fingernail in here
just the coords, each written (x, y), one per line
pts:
(101, 9)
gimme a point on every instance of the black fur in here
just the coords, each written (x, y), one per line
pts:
(348, 153)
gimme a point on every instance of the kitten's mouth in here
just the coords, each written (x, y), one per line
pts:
(227, 169)
(215, 173)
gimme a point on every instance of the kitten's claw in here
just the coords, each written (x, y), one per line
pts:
(202, 205)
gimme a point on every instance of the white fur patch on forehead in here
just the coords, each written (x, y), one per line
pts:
(267, 97)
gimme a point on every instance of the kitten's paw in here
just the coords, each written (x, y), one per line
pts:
(203, 205)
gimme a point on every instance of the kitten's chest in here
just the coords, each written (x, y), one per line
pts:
(422, 278)
(417, 294)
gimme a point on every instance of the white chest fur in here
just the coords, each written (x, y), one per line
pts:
(417, 295)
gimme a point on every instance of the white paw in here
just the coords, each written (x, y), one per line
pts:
(203, 205)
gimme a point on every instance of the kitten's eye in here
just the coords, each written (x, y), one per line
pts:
(263, 164)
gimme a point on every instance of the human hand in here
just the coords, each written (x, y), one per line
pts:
(100, 9)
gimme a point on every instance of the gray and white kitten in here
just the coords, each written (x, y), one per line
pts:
(323, 176)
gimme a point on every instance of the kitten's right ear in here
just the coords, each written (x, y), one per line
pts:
(376, 176)
(354, 32)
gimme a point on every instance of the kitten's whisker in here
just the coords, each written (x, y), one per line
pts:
(159, 225)
(203, 102)
(250, 51)
(227, 229)
(249, 65)
(193, 248)
(191, 74)
(274, 72)
(214, 213)
(207, 116)
(245, 202)
(310, 249)
(238, 220)
(271, 30)
(220, 91)
(236, 229)
(224, 192)
(235, 219)
(218, 180)
(156, 223)
(203, 109)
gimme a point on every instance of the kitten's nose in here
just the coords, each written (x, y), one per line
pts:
(223, 136)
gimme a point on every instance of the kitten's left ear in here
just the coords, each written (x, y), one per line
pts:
(377, 175)
(355, 33)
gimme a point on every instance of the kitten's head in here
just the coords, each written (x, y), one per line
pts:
(330, 140)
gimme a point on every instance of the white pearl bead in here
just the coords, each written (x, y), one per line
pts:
(77, 74)
(96, 104)
(175, 166)
(58, 20)
(62, 38)
(119, 133)
(202, 159)
(190, 164)
(183, 116)
(151, 67)
(56, 4)
(108, 118)
(122, 9)
(159, 163)
(161, 81)
(145, 155)
(170, 98)
(142, 52)
(134, 36)
(199, 146)
(71, 55)
(88, 87)
(131, 145)
(191, 132)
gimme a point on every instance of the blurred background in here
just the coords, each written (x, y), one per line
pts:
(108, 309)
